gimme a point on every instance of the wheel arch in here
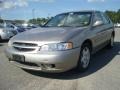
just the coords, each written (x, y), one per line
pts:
(88, 41)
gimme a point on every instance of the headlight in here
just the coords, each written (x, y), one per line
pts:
(57, 47)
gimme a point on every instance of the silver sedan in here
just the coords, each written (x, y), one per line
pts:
(66, 41)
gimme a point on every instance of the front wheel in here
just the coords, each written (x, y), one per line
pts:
(84, 59)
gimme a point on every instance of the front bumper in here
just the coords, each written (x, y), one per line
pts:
(61, 60)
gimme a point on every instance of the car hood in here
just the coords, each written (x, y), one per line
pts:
(48, 34)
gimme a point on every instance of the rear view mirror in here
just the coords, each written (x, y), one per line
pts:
(97, 23)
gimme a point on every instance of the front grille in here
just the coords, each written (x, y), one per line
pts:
(28, 63)
(24, 47)
(24, 44)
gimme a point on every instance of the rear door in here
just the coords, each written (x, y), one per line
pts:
(107, 27)
(102, 33)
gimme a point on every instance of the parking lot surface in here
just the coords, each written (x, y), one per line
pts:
(104, 74)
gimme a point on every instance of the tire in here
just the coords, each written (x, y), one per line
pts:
(111, 42)
(84, 58)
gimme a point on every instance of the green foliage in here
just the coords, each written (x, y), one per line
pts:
(39, 21)
(114, 15)
(1, 21)
(18, 21)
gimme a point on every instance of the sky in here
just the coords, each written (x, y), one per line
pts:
(27, 9)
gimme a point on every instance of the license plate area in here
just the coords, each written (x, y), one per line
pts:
(19, 58)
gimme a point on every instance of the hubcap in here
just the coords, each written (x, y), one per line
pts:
(85, 59)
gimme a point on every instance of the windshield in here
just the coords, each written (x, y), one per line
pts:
(77, 19)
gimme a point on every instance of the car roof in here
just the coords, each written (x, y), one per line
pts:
(92, 11)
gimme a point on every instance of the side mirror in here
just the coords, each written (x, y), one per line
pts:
(97, 23)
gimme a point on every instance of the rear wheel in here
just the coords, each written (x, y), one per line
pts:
(84, 59)
(111, 42)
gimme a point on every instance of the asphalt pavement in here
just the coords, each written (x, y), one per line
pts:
(104, 73)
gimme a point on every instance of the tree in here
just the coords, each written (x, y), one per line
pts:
(114, 16)
(39, 21)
